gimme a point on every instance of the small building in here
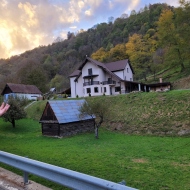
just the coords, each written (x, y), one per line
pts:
(30, 92)
(61, 118)
(160, 86)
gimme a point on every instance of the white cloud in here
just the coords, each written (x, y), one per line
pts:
(88, 12)
(25, 24)
(73, 27)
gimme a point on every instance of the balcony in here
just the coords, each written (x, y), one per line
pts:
(110, 82)
(91, 83)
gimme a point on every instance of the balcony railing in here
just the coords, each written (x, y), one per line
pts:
(91, 83)
(109, 82)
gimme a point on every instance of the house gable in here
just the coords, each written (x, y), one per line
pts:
(48, 114)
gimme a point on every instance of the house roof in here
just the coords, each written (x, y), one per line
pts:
(108, 67)
(102, 65)
(118, 65)
(75, 73)
(21, 88)
(159, 84)
(67, 111)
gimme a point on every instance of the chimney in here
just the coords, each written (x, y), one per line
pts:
(160, 80)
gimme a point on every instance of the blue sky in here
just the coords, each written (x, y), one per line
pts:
(26, 24)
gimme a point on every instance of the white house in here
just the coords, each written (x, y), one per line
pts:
(30, 92)
(95, 78)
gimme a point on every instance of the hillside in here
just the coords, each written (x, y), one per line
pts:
(165, 113)
(50, 66)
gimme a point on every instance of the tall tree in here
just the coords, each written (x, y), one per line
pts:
(140, 50)
(172, 34)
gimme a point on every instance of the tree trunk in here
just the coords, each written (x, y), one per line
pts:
(96, 132)
(13, 123)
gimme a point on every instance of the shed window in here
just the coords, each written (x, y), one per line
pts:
(88, 90)
(96, 89)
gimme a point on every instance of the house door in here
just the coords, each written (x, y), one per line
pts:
(110, 90)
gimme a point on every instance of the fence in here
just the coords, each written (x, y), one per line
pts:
(65, 177)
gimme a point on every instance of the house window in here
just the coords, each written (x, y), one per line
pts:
(104, 89)
(130, 79)
(88, 90)
(90, 71)
(117, 89)
(127, 70)
(96, 89)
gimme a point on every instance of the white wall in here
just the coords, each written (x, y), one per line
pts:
(128, 73)
(72, 84)
(88, 65)
(22, 95)
(77, 88)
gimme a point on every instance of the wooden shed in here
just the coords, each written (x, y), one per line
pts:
(163, 86)
(61, 118)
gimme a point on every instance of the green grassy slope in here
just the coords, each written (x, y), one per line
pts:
(152, 113)
(179, 80)
(164, 113)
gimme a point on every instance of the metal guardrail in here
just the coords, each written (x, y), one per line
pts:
(65, 177)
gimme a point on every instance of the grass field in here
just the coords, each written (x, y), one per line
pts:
(144, 162)
(165, 113)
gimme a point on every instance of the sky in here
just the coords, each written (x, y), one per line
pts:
(26, 24)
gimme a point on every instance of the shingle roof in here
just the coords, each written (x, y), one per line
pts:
(159, 84)
(67, 111)
(22, 88)
(75, 73)
(117, 65)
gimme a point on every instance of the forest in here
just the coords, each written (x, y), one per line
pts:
(155, 39)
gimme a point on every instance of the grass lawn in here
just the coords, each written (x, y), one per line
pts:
(144, 162)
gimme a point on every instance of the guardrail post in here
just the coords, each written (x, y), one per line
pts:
(25, 176)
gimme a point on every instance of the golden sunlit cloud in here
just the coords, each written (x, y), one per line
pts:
(26, 24)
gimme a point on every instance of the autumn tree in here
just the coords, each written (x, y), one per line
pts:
(16, 110)
(172, 32)
(100, 55)
(140, 50)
